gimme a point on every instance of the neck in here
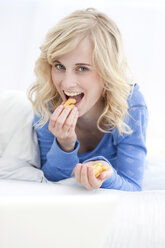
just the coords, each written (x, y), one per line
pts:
(88, 122)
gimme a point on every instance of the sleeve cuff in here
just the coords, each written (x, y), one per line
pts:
(109, 182)
(97, 158)
(77, 145)
(62, 157)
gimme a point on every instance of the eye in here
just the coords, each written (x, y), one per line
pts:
(82, 69)
(59, 67)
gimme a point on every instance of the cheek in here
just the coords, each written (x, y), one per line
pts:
(55, 79)
(96, 92)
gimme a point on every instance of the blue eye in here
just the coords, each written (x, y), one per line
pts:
(59, 67)
(83, 69)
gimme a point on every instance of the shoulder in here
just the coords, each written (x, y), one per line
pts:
(136, 98)
(137, 110)
(137, 117)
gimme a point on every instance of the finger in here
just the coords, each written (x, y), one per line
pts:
(78, 172)
(84, 177)
(93, 181)
(54, 116)
(62, 117)
(73, 122)
(105, 174)
(70, 121)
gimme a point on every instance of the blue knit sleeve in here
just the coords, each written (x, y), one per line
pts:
(56, 164)
(131, 153)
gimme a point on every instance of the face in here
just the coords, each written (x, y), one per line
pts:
(74, 76)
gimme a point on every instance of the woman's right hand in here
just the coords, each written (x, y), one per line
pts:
(62, 125)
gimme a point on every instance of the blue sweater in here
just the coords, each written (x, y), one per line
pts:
(125, 153)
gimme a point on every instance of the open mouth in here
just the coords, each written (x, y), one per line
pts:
(77, 97)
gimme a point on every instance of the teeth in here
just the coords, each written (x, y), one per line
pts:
(72, 93)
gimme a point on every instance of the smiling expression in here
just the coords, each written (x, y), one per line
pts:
(74, 75)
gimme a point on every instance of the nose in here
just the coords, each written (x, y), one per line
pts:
(69, 80)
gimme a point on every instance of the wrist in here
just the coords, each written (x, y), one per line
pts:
(66, 147)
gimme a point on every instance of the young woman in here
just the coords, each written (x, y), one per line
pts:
(82, 58)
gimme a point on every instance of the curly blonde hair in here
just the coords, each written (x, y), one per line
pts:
(108, 58)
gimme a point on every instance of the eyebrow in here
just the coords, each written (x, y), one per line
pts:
(83, 64)
(57, 61)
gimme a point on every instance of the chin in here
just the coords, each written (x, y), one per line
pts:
(82, 113)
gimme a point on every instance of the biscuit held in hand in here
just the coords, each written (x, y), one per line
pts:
(70, 102)
(98, 169)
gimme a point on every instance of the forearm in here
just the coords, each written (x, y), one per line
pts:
(60, 164)
(120, 182)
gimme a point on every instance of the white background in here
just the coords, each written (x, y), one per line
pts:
(24, 23)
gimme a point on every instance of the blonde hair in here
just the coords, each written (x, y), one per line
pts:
(108, 58)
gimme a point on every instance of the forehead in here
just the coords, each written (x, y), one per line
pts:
(82, 53)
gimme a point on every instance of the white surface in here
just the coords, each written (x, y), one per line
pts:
(154, 176)
(17, 138)
(53, 216)
(19, 151)
(68, 216)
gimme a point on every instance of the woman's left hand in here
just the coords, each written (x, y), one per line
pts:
(84, 174)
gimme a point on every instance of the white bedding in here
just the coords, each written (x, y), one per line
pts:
(32, 212)
(53, 215)
(154, 176)
(58, 215)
